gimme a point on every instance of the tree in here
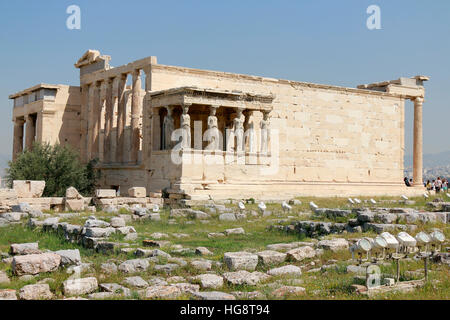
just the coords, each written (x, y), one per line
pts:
(59, 166)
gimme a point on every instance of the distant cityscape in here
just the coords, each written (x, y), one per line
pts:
(431, 173)
(435, 165)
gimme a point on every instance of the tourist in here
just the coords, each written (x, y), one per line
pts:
(444, 185)
(429, 186)
(407, 182)
(438, 184)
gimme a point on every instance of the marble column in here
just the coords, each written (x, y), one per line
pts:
(90, 122)
(18, 138)
(84, 122)
(136, 110)
(418, 143)
(30, 132)
(108, 121)
(121, 112)
(96, 110)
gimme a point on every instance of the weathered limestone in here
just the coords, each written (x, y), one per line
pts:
(285, 270)
(74, 287)
(8, 294)
(28, 188)
(334, 244)
(69, 257)
(210, 281)
(301, 253)
(244, 277)
(133, 266)
(269, 257)
(35, 292)
(72, 193)
(213, 295)
(24, 248)
(105, 193)
(74, 204)
(137, 192)
(35, 263)
(288, 291)
(240, 260)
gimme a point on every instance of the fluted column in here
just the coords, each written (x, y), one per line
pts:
(30, 132)
(90, 121)
(122, 104)
(84, 122)
(108, 121)
(96, 122)
(18, 138)
(136, 110)
(418, 143)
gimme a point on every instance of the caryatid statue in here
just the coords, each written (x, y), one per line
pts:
(249, 135)
(239, 130)
(212, 135)
(265, 132)
(186, 127)
(168, 127)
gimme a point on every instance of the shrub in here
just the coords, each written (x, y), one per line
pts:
(59, 166)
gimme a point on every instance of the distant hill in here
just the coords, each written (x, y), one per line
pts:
(431, 160)
(434, 165)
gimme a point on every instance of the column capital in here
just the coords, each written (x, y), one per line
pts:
(266, 114)
(213, 109)
(419, 100)
(185, 107)
(136, 72)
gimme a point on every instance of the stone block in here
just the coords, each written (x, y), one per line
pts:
(72, 193)
(35, 263)
(29, 188)
(74, 204)
(240, 260)
(80, 286)
(105, 193)
(137, 192)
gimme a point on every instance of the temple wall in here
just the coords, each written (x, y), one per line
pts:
(327, 134)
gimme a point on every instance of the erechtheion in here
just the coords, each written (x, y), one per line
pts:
(199, 134)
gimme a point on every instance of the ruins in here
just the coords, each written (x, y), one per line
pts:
(263, 134)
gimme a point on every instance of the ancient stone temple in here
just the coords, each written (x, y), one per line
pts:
(199, 134)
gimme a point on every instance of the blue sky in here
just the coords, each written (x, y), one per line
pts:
(314, 41)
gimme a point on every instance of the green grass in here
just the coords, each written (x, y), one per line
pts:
(333, 283)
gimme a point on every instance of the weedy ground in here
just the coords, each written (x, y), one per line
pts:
(329, 283)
